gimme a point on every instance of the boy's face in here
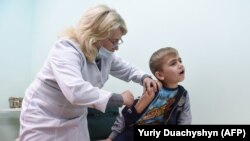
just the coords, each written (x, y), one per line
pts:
(172, 71)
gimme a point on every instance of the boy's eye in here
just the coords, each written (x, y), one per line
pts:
(172, 63)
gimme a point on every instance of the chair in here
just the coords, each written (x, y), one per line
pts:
(100, 124)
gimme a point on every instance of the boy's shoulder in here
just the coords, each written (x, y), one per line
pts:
(181, 89)
(183, 95)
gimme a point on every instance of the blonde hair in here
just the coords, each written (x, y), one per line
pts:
(96, 24)
(157, 58)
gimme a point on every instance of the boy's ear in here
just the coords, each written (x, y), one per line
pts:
(159, 75)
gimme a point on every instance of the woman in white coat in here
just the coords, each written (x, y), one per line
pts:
(55, 104)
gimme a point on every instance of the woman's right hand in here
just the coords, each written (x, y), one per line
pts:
(128, 98)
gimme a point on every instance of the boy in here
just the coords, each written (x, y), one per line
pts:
(170, 105)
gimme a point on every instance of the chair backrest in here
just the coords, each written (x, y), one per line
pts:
(100, 124)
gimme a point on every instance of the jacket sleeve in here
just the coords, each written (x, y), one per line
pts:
(185, 117)
(130, 115)
(118, 127)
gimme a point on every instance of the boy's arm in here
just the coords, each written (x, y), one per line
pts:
(144, 101)
(185, 117)
(133, 113)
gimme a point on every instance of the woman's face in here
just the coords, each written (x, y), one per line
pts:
(113, 42)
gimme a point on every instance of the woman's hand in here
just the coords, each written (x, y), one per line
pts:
(128, 98)
(149, 83)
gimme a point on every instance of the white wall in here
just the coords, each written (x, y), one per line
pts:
(15, 47)
(212, 38)
(15, 59)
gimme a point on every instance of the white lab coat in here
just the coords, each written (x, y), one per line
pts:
(55, 104)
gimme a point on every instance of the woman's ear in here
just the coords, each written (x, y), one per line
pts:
(159, 75)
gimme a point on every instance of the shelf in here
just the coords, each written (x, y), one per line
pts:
(10, 110)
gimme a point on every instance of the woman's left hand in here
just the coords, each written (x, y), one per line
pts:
(149, 83)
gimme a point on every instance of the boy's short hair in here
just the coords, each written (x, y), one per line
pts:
(157, 58)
